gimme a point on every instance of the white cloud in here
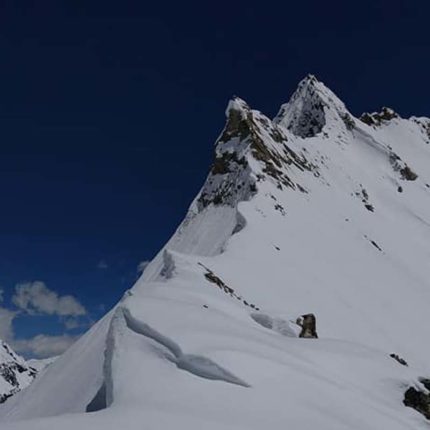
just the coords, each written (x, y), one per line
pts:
(36, 297)
(102, 265)
(6, 318)
(142, 266)
(71, 323)
(43, 346)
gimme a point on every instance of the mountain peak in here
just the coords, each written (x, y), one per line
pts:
(379, 118)
(239, 118)
(237, 104)
(312, 79)
(310, 108)
(251, 148)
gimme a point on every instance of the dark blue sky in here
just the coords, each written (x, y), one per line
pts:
(109, 109)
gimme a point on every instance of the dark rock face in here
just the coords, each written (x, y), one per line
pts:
(309, 326)
(229, 180)
(9, 372)
(378, 118)
(214, 279)
(419, 400)
(4, 397)
(424, 124)
(364, 196)
(348, 121)
(308, 120)
(406, 173)
(248, 134)
(399, 359)
(425, 382)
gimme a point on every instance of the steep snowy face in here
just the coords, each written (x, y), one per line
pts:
(314, 212)
(15, 373)
(311, 108)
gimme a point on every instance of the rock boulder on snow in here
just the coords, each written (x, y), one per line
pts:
(308, 323)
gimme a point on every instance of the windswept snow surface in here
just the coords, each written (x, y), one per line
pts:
(316, 212)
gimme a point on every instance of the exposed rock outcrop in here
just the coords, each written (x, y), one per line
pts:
(419, 399)
(378, 118)
(400, 360)
(308, 324)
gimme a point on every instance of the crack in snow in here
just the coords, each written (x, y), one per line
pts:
(196, 364)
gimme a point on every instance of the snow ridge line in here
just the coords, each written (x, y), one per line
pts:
(196, 364)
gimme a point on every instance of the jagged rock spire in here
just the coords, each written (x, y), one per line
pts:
(251, 148)
(310, 108)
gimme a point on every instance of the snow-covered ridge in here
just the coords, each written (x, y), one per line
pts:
(313, 212)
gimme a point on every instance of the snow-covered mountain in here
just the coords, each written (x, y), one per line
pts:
(15, 373)
(315, 211)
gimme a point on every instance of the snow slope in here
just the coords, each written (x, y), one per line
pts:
(314, 211)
